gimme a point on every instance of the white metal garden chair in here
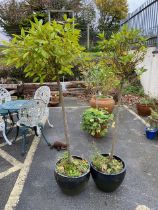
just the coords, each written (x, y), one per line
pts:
(31, 116)
(43, 93)
(5, 97)
(2, 128)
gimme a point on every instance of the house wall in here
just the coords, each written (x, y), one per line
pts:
(149, 79)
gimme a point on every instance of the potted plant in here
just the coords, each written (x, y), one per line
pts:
(107, 173)
(101, 80)
(122, 52)
(144, 106)
(151, 132)
(54, 99)
(50, 50)
(152, 123)
(96, 122)
(72, 177)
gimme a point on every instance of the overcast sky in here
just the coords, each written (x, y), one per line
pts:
(134, 4)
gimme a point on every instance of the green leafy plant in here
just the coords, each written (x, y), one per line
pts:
(76, 168)
(133, 89)
(146, 101)
(96, 122)
(99, 78)
(106, 165)
(46, 50)
(123, 52)
(152, 120)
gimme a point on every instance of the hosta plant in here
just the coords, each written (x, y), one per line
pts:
(96, 122)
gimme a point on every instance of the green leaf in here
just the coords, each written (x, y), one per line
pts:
(25, 55)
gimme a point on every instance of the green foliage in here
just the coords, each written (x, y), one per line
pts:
(96, 121)
(123, 52)
(99, 77)
(133, 89)
(16, 14)
(45, 50)
(107, 165)
(111, 12)
(154, 113)
(76, 168)
(146, 101)
(83, 18)
(12, 12)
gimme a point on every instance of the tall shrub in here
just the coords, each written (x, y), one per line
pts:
(123, 52)
(49, 49)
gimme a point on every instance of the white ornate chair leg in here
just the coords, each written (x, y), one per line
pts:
(5, 137)
(51, 125)
(38, 131)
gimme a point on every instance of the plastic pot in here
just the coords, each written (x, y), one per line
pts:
(108, 182)
(72, 185)
(151, 133)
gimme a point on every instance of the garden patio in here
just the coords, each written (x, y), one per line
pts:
(33, 186)
(109, 125)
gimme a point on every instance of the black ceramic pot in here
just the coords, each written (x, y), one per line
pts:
(72, 185)
(108, 182)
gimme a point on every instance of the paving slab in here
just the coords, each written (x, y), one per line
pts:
(140, 155)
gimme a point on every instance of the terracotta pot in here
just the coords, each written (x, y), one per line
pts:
(143, 109)
(105, 103)
(54, 101)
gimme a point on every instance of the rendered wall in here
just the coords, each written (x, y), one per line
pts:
(149, 79)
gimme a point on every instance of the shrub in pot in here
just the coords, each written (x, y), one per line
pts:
(144, 106)
(103, 102)
(151, 132)
(122, 52)
(72, 177)
(101, 80)
(49, 51)
(152, 123)
(96, 122)
(108, 173)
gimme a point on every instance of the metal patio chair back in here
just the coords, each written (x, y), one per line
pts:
(31, 113)
(31, 116)
(44, 94)
(4, 95)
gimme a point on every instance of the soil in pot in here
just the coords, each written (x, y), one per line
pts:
(108, 175)
(72, 178)
(105, 103)
(144, 110)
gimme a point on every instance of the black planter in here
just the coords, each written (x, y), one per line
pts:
(72, 185)
(108, 182)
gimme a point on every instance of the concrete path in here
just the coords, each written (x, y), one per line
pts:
(33, 187)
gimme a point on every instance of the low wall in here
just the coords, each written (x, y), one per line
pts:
(72, 88)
